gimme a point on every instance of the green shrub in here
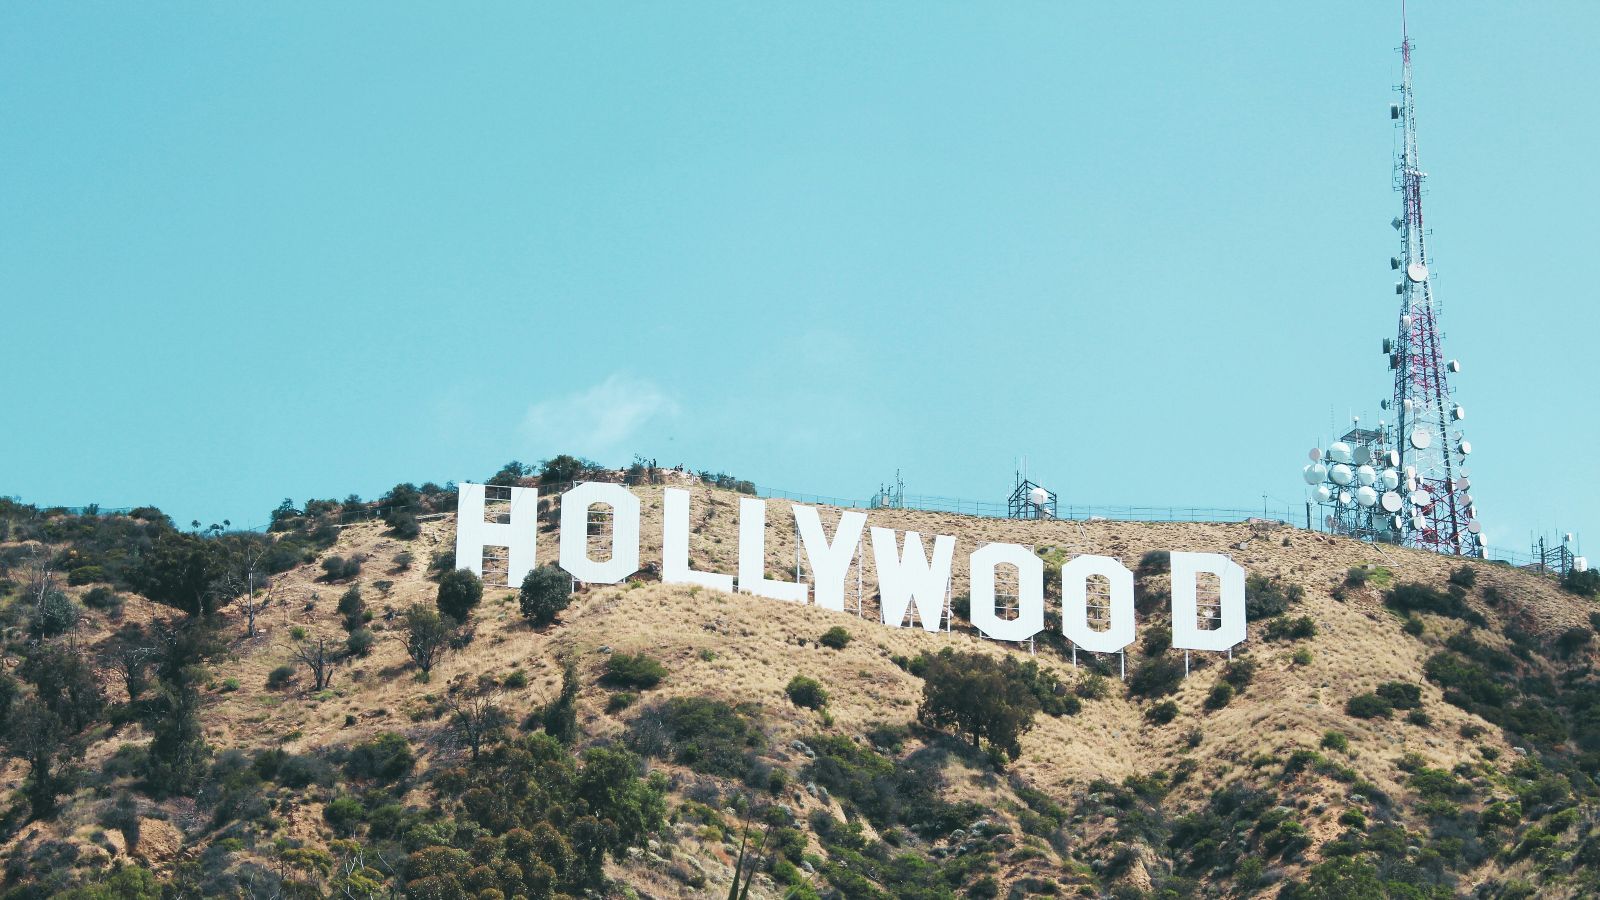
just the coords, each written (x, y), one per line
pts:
(1162, 713)
(1221, 694)
(638, 670)
(709, 736)
(1413, 626)
(1239, 673)
(280, 677)
(1356, 577)
(1092, 686)
(836, 637)
(360, 642)
(620, 700)
(343, 813)
(546, 591)
(1155, 677)
(459, 591)
(1286, 629)
(54, 615)
(384, 758)
(1368, 706)
(1572, 640)
(982, 698)
(102, 598)
(1335, 740)
(1419, 718)
(1584, 584)
(1464, 577)
(806, 692)
(339, 568)
(1411, 597)
(1266, 597)
(1156, 562)
(517, 680)
(1400, 694)
(86, 575)
(1301, 657)
(352, 608)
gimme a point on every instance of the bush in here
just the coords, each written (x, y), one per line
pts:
(709, 736)
(360, 642)
(384, 758)
(1156, 562)
(1155, 677)
(279, 677)
(1266, 597)
(1400, 694)
(1356, 577)
(1335, 740)
(1413, 626)
(1239, 673)
(806, 692)
(1301, 657)
(343, 813)
(1162, 713)
(1573, 639)
(1419, 718)
(836, 637)
(338, 568)
(516, 680)
(1285, 629)
(1092, 686)
(1368, 706)
(102, 598)
(352, 608)
(545, 592)
(637, 670)
(459, 591)
(1464, 577)
(1584, 584)
(54, 615)
(1221, 694)
(620, 701)
(1411, 597)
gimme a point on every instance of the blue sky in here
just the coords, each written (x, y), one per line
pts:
(250, 251)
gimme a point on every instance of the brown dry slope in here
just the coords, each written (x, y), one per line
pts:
(1075, 812)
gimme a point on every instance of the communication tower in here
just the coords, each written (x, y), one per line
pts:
(1420, 459)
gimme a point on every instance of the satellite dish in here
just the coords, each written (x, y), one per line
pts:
(1339, 452)
(1315, 473)
(1467, 499)
(1323, 493)
(1421, 438)
(1418, 522)
(1407, 405)
(1454, 365)
(1417, 272)
(1399, 522)
(1474, 527)
(1039, 496)
(1363, 454)
(1344, 498)
(1341, 475)
(1392, 456)
(1396, 222)
(1390, 479)
(1566, 538)
(1580, 564)
(1391, 501)
(1421, 499)
(1464, 482)
(1315, 455)
(1458, 412)
(1405, 322)
(1366, 475)
(1466, 448)
(1366, 496)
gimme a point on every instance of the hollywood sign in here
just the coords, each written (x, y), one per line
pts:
(907, 577)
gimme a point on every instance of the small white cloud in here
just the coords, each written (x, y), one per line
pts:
(597, 419)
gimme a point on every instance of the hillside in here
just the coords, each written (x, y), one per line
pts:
(1478, 780)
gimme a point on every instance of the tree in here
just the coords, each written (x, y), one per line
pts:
(546, 591)
(560, 718)
(477, 721)
(318, 655)
(184, 571)
(563, 469)
(509, 474)
(353, 608)
(178, 752)
(38, 736)
(459, 591)
(400, 510)
(618, 809)
(427, 635)
(806, 692)
(979, 697)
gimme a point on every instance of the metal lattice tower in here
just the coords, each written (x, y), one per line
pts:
(1438, 512)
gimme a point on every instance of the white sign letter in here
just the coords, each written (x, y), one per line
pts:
(903, 579)
(624, 559)
(1186, 631)
(830, 563)
(1075, 604)
(753, 556)
(1030, 599)
(675, 568)
(519, 538)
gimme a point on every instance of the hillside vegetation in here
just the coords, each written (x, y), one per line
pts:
(329, 709)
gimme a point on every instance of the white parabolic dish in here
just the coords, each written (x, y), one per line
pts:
(1421, 438)
(1341, 475)
(1315, 473)
(1417, 272)
(1391, 501)
(1366, 496)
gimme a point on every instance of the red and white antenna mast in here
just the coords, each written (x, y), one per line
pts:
(1438, 513)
